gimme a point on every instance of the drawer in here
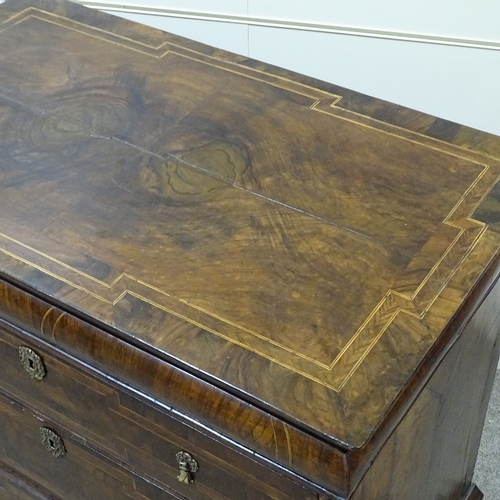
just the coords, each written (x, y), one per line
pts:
(79, 474)
(133, 430)
(15, 487)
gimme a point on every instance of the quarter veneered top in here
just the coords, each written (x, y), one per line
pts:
(245, 222)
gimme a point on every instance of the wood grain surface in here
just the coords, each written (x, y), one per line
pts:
(13, 486)
(130, 430)
(80, 474)
(296, 243)
(433, 451)
(251, 431)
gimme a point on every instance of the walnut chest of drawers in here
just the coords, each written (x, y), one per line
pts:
(220, 280)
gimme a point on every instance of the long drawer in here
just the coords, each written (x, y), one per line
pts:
(54, 460)
(14, 486)
(132, 430)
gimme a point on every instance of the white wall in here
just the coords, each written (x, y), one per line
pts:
(439, 57)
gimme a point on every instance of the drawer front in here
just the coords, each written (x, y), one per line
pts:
(79, 474)
(131, 430)
(14, 492)
(15, 487)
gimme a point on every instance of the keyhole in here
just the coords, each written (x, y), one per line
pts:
(52, 442)
(32, 363)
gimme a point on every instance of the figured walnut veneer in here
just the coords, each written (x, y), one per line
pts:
(286, 261)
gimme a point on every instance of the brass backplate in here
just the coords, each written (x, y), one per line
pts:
(32, 363)
(187, 467)
(52, 442)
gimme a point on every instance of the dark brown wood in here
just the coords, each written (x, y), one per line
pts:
(13, 486)
(239, 227)
(129, 430)
(279, 271)
(474, 493)
(79, 474)
(264, 433)
(433, 451)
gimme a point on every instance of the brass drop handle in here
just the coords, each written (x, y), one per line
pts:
(187, 467)
(32, 363)
(52, 442)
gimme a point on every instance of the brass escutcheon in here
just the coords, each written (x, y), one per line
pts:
(32, 363)
(52, 442)
(187, 466)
